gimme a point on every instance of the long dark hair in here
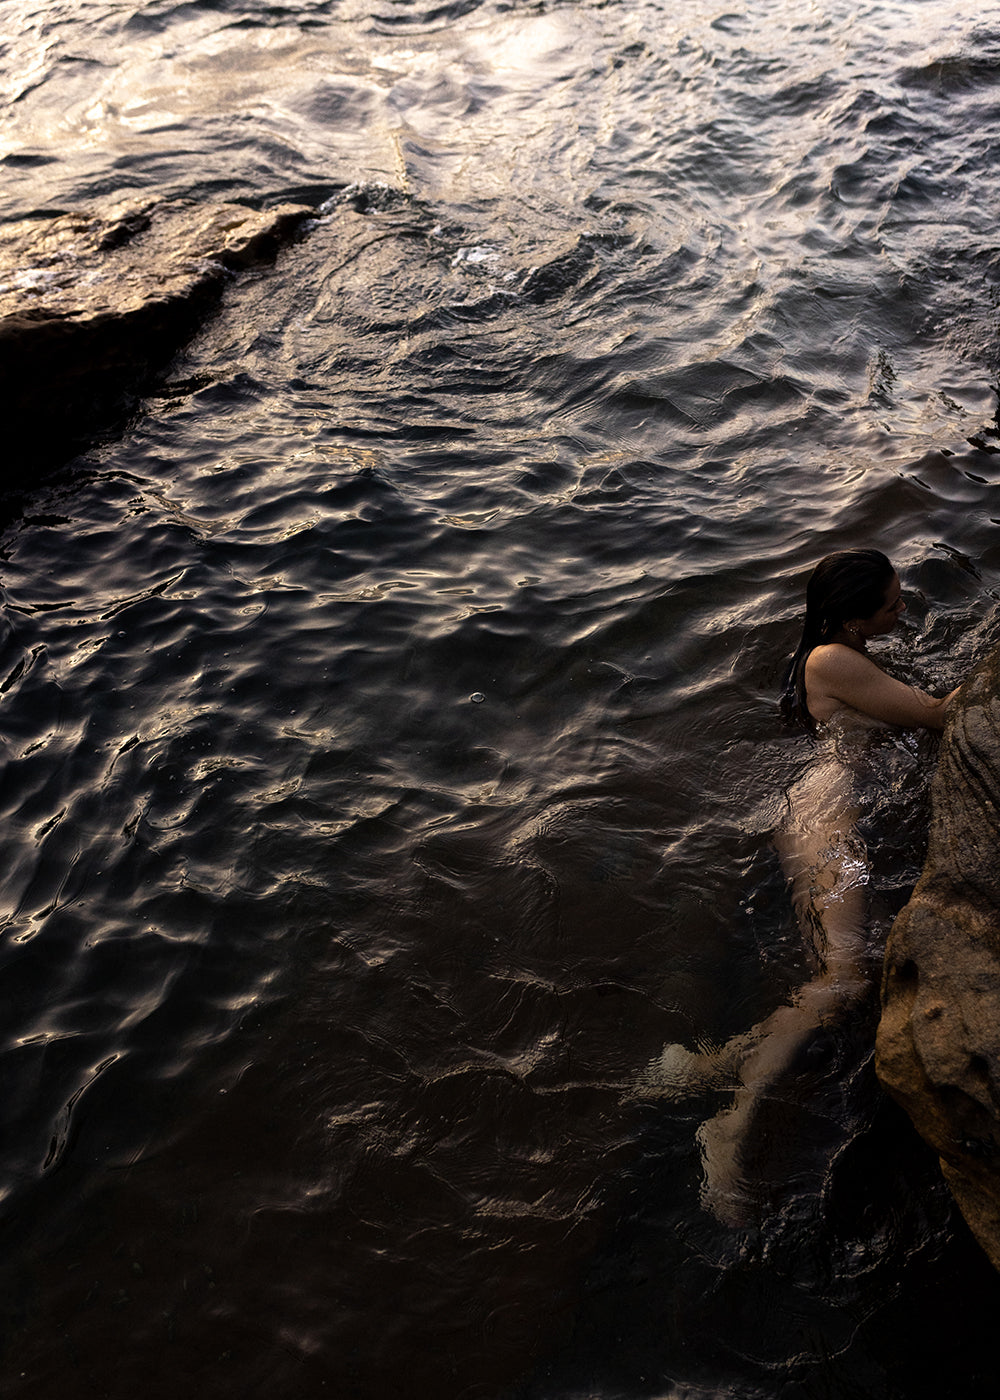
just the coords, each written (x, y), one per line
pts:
(849, 584)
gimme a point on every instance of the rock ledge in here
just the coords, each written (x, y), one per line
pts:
(93, 303)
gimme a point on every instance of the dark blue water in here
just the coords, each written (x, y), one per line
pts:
(390, 749)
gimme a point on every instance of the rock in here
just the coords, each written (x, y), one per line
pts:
(938, 1044)
(92, 304)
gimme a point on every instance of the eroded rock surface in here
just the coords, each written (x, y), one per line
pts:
(91, 304)
(938, 1048)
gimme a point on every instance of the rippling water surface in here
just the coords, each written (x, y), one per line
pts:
(389, 739)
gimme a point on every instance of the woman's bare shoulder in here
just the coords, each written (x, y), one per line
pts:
(838, 675)
(834, 659)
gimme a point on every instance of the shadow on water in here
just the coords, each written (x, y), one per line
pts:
(861, 1281)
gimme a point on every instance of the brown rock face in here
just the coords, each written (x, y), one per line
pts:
(92, 303)
(938, 1047)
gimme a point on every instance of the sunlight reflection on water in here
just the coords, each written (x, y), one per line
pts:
(391, 756)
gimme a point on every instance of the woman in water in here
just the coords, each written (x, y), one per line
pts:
(837, 693)
(849, 704)
(852, 596)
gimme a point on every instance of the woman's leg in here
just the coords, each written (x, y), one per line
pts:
(827, 868)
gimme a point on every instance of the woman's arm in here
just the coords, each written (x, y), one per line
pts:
(840, 674)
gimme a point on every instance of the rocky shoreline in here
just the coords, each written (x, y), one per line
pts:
(938, 1047)
(93, 304)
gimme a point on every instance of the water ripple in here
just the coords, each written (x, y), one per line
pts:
(387, 719)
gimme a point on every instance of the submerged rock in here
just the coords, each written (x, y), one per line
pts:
(938, 1047)
(91, 304)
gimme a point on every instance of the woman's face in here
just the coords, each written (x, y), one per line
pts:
(889, 613)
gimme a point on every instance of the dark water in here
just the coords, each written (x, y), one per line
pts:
(389, 738)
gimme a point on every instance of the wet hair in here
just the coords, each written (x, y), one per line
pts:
(851, 583)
